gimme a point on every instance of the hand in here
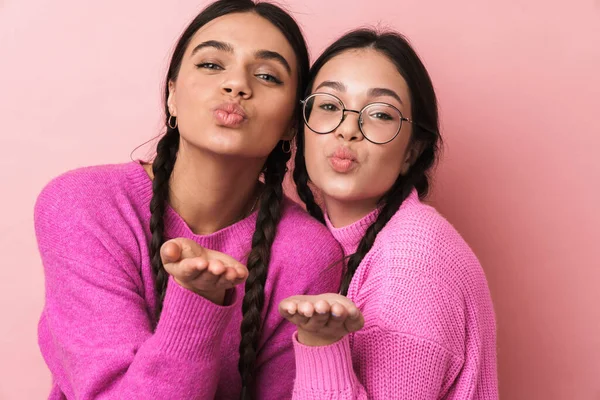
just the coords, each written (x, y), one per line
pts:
(206, 272)
(323, 319)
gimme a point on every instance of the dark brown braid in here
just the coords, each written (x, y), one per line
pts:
(301, 180)
(269, 215)
(391, 203)
(162, 167)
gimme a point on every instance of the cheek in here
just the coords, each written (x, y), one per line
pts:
(384, 168)
(313, 145)
(191, 98)
(275, 114)
(382, 173)
(283, 104)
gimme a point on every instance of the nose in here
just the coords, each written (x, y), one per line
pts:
(349, 127)
(236, 84)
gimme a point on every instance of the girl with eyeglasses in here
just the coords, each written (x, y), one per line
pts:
(145, 262)
(413, 318)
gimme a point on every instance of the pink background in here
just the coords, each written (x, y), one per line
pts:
(519, 89)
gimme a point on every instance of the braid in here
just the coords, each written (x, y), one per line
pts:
(301, 180)
(392, 202)
(258, 260)
(162, 167)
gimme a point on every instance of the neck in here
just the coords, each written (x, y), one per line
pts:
(343, 213)
(211, 192)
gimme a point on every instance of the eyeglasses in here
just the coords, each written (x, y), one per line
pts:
(379, 123)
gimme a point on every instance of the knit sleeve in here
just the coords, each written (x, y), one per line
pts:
(420, 342)
(96, 334)
(397, 366)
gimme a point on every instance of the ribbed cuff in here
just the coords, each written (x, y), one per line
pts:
(191, 326)
(325, 367)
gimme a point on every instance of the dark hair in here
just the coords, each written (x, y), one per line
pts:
(425, 132)
(274, 171)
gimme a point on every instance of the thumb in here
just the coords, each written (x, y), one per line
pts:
(189, 248)
(170, 252)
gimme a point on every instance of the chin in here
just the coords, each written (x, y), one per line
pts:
(341, 193)
(219, 142)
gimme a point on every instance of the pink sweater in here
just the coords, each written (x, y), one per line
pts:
(429, 321)
(97, 333)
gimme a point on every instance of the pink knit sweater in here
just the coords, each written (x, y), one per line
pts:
(97, 333)
(429, 321)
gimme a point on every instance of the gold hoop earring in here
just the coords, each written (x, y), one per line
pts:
(287, 150)
(172, 126)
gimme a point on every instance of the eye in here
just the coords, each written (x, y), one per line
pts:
(329, 107)
(382, 116)
(269, 78)
(209, 66)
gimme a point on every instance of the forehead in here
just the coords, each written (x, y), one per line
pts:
(246, 32)
(363, 69)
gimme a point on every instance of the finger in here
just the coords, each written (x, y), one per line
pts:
(228, 279)
(170, 252)
(354, 324)
(322, 307)
(288, 306)
(339, 312)
(298, 319)
(216, 268)
(316, 322)
(189, 248)
(241, 271)
(230, 274)
(190, 268)
(353, 311)
(306, 308)
(226, 259)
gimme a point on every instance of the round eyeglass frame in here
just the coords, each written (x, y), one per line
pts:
(360, 119)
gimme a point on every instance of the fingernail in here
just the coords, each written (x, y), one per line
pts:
(335, 314)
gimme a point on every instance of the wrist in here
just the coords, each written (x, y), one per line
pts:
(214, 296)
(314, 340)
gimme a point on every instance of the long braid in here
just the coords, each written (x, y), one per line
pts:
(392, 202)
(266, 226)
(301, 181)
(162, 167)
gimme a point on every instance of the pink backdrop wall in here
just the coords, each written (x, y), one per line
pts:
(519, 89)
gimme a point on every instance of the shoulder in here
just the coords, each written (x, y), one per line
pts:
(299, 229)
(79, 205)
(420, 241)
(83, 185)
(305, 244)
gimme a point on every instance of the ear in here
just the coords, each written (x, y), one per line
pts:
(412, 154)
(290, 134)
(171, 103)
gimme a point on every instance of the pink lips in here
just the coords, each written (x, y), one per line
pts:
(229, 115)
(343, 160)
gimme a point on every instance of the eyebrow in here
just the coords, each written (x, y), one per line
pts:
(214, 44)
(273, 55)
(373, 92)
(339, 86)
(378, 92)
(260, 54)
